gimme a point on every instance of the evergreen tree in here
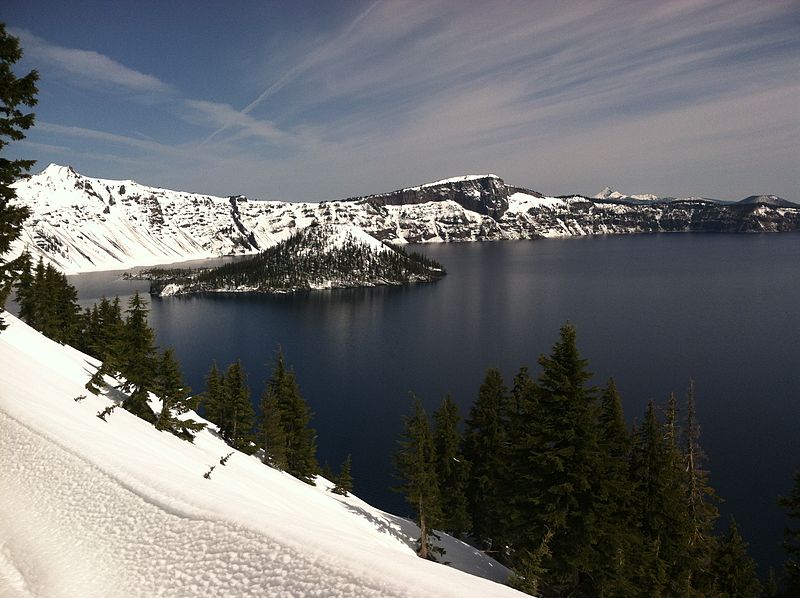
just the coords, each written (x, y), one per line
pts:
(103, 338)
(415, 462)
(301, 446)
(327, 472)
(619, 545)
(485, 451)
(272, 437)
(771, 587)
(68, 315)
(519, 440)
(559, 491)
(733, 571)
(529, 570)
(25, 289)
(237, 425)
(452, 469)
(660, 509)
(38, 297)
(15, 94)
(48, 302)
(137, 359)
(344, 481)
(213, 399)
(701, 501)
(614, 437)
(791, 539)
(175, 400)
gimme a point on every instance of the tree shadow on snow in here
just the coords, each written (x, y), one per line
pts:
(399, 528)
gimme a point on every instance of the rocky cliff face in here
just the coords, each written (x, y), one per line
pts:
(487, 195)
(81, 224)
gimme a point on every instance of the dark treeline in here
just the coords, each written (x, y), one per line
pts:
(305, 260)
(48, 303)
(548, 478)
(280, 434)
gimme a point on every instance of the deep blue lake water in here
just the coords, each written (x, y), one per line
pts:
(652, 311)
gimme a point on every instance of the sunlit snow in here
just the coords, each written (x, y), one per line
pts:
(117, 508)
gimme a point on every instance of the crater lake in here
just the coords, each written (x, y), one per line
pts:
(652, 311)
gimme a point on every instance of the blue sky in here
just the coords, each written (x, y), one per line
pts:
(325, 100)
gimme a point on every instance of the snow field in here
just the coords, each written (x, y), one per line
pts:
(117, 508)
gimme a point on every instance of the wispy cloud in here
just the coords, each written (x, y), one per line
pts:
(305, 64)
(225, 117)
(105, 137)
(89, 66)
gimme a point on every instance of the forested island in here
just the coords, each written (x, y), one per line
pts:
(317, 257)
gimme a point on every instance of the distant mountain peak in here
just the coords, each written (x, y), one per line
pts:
(54, 170)
(609, 193)
(770, 200)
(606, 192)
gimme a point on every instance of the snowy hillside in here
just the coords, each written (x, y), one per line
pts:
(82, 224)
(92, 508)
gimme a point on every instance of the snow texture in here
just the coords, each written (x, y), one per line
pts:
(116, 508)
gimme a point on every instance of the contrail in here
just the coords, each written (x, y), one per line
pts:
(299, 68)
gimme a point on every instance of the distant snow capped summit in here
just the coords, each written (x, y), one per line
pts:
(609, 193)
(769, 200)
(54, 170)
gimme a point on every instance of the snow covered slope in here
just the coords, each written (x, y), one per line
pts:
(81, 224)
(92, 508)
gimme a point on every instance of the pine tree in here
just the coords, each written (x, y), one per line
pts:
(452, 469)
(415, 462)
(137, 359)
(660, 509)
(213, 399)
(38, 297)
(238, 423)
(485, 451)
(271, 436)
(791, 539)
(529, 571)
(327, 472)
(24, 289)
(48, 302)
(518, 441)
(15, 94)
(67, 316)
(175, 401)
(701, 501)
(619, 545)
(733, 572)
(344, 481)
(771, 587)
(301, 446)
(558, 490)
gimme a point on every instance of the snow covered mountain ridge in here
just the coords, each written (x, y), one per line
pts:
(116, 508)
(82, 224)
